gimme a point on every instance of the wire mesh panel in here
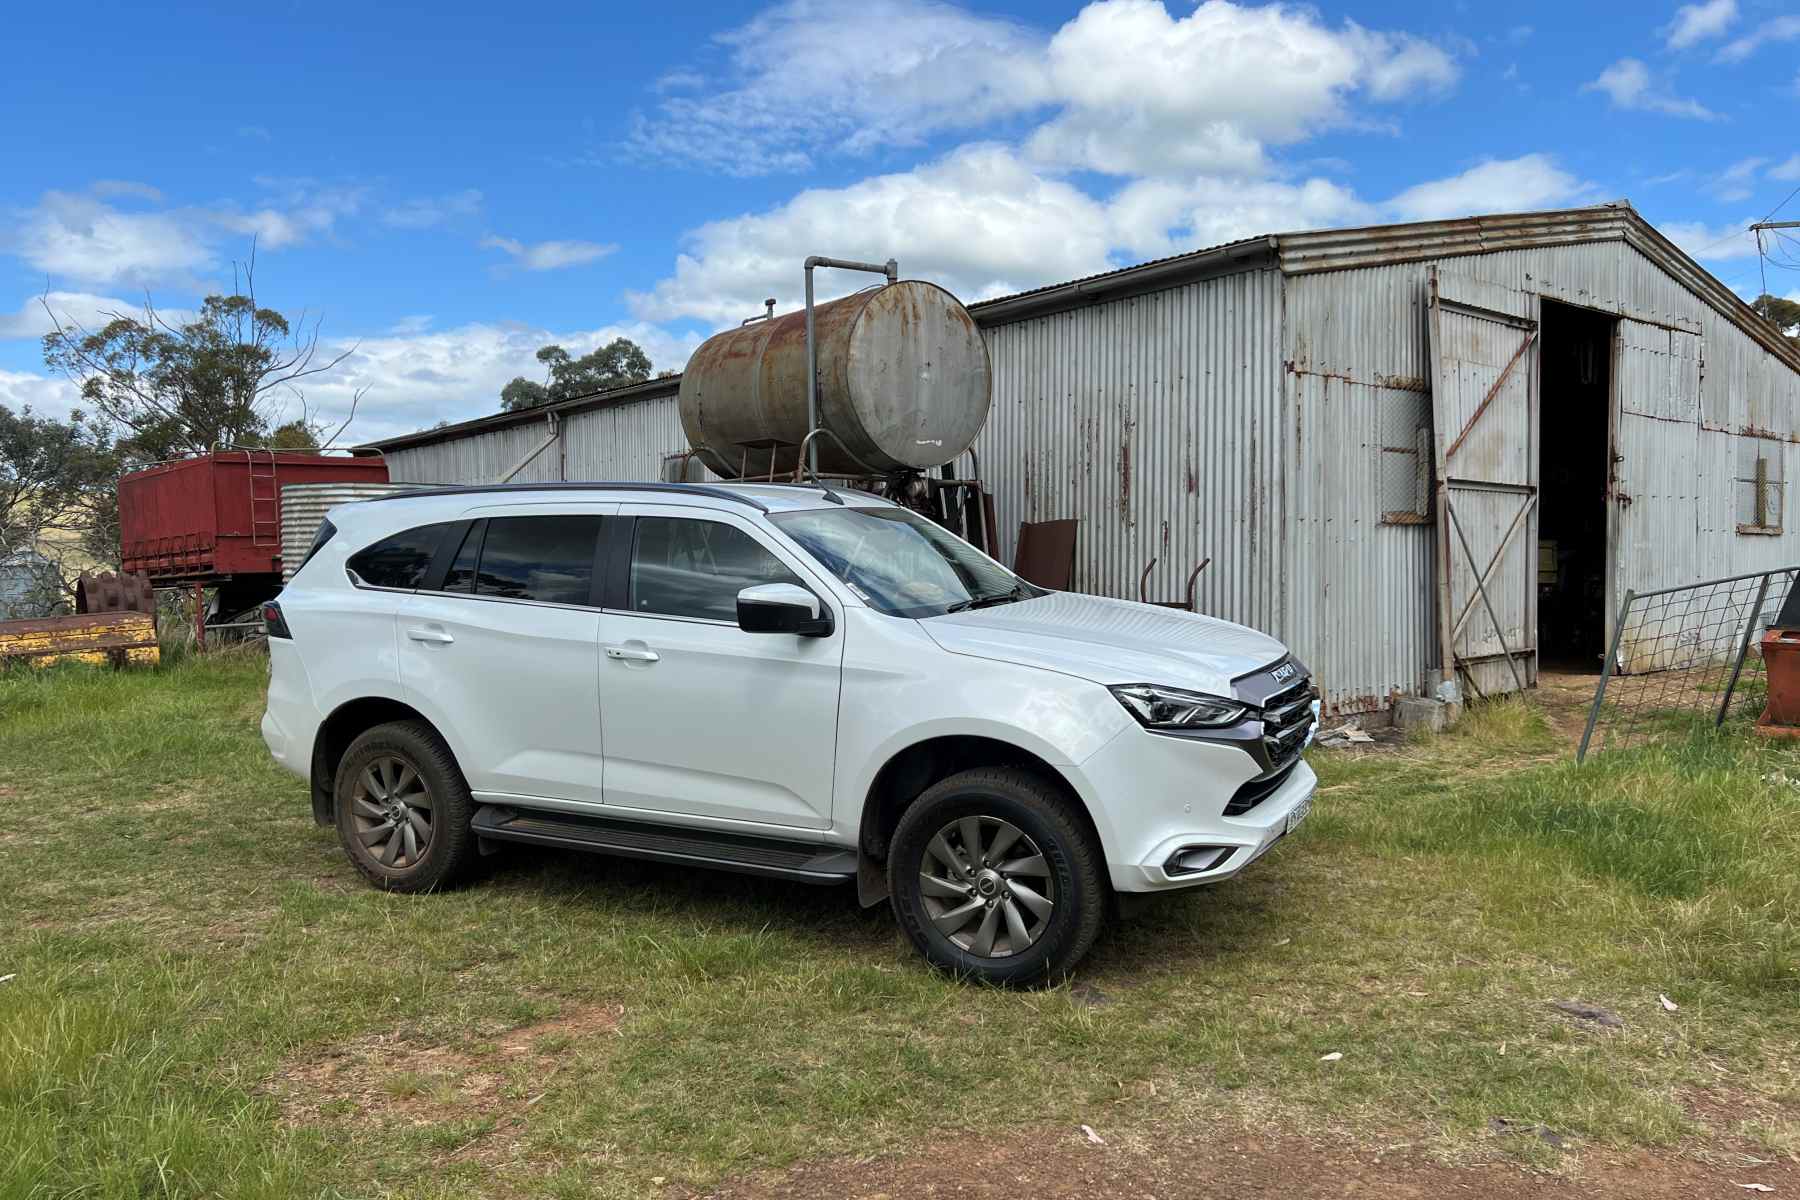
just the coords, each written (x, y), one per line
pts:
(1684, 658)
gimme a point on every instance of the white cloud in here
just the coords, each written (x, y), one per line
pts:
(810, 76)
(1709, 244)
(1129, 87)
(980, 221)
(429, 211)
(415, 380)
(1734, 182)
(45, 396)
(548, 256)
(1144, 92)
(1696, 23)
(120, 234)
(1627, 84)
(74, 308)
(1787, 171)
(80, 238)
(1778, 29)
(126, 187)
(1532, 181)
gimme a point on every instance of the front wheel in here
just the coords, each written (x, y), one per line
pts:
(995, 876)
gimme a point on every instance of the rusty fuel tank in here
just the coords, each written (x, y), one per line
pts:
(904, 380)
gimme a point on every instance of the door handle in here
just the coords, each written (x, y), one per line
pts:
(439, 636)
(633, 654)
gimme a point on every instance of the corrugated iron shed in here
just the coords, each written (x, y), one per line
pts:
(1269, 403)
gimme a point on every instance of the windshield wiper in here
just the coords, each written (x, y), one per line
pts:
(1020, 591)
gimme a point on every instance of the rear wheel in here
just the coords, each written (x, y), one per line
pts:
(994, 875)
(403, 809)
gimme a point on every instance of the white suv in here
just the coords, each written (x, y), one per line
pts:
(784, 680)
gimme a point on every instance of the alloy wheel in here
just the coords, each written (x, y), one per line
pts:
(987, 887)
(391, 811)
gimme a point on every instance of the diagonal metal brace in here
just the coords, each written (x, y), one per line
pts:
(1518, 521)
(1488, 399)
(1481, 590)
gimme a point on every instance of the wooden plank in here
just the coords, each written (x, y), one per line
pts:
(92, 637)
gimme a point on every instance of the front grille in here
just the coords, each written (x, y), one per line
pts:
(1287, 719)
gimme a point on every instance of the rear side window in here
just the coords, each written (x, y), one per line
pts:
(461, 576)
(399, 561)
(688, 568)
(550, 559)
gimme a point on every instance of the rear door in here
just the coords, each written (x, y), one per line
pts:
(499, 648)
(1485, 432)
(702, 719)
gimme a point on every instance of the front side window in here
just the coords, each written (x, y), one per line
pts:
(548, 559)
(400, 561)
(901, 563)
(681, 567)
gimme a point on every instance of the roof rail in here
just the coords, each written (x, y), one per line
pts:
(680, 489)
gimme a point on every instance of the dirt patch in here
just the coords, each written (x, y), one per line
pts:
(169, 799)
(390, 1080)
(1233, 1163)
(1565, 698)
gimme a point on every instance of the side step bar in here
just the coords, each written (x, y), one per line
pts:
(807, 862)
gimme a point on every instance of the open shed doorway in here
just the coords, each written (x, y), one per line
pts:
(1575, 404)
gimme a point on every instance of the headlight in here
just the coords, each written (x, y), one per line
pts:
(1172, 708)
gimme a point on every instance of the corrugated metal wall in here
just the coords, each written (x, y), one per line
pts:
(476, 458)
(625, 441)
(1361, 598)
(1157, 422)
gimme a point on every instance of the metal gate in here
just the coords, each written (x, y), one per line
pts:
(1485, 434)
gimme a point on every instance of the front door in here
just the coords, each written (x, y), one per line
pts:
(500, 649)
(1485, 430)
(702, 719)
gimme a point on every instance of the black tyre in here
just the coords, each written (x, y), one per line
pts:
(993, 875)
(403, 809)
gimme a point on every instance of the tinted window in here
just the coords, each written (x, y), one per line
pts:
(686, 568)
(461, 577)
(399, 561)
(539, 558)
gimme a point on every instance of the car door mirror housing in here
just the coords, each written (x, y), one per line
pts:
(782, 608)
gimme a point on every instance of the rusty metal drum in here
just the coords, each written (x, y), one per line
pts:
(904, 380)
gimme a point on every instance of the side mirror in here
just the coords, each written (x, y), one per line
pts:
(782, 608)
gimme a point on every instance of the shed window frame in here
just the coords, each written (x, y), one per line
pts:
(1765, 475)
(1388, 458)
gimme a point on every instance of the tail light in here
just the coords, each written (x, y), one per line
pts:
(274, 622)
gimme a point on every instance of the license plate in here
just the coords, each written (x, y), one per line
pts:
(1297, 814)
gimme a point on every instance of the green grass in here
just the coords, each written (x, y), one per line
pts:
(208, 1002)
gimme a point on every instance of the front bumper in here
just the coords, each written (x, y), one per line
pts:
(1153, 797)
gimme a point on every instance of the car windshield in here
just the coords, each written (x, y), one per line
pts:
(902, 564)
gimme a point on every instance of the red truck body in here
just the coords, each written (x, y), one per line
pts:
(218, 516)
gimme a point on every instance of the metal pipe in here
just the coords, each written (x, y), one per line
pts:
(1737, 665)
(891, 269)
(1606, 674)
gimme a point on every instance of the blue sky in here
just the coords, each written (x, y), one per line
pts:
(450, 186)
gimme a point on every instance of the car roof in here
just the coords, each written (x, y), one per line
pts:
(758, 497)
